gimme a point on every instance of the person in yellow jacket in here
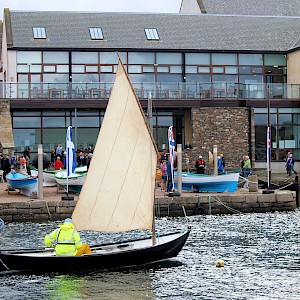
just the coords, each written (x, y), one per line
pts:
(67, 240)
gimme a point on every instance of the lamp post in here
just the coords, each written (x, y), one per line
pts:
(268, 191)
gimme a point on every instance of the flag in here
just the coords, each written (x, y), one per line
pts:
(171, 151)
(269, 156)
(71, 158)
(1, 225)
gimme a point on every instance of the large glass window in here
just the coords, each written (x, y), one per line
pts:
(87, 136)
(224, 59)
(141, 58)
(85, 58)
(56, 78)
(275, 60)
(27, 122)
(55, 57)
(250, 59)
(29, 57)
(54, 136)
(285, 134)
(197, 59)
(112, 57)
(169, 58)
(24, 138)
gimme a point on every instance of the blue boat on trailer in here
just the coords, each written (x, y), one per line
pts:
(208, 183)
(26, 184)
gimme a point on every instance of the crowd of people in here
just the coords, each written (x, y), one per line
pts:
(16, 162)
(57, 161)
(200, 166)
(83, 158)
(58, 157)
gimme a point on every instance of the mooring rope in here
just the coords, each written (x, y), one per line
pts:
(226, 206)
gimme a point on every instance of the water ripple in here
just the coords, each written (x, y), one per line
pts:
(261, 254)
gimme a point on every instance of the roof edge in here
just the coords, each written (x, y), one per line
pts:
(8, 30)
(201, 6)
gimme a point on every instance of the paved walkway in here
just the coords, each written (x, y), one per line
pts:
(52, 193)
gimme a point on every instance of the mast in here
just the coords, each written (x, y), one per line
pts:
(150, 120)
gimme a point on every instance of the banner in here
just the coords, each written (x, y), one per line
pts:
(269, 155)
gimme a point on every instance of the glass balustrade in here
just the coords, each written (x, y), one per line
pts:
(158, 90)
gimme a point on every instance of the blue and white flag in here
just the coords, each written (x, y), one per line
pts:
(172, 151)
(1, 225)
(269, 155)
(71, 157)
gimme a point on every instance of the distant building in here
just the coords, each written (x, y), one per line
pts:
(210, 70)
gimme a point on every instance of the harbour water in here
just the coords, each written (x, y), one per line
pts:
(261, 254)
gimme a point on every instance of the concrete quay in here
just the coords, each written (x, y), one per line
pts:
(19, 208)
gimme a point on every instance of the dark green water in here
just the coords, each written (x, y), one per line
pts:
(261, 254)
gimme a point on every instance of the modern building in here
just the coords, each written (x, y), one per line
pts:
(210, 70)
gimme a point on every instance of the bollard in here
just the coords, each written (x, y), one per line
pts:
(253, 183)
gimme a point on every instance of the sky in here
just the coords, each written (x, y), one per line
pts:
(156, 6)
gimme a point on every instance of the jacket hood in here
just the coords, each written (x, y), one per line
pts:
(66, 226)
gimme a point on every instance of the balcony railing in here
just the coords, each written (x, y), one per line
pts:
(158, 90)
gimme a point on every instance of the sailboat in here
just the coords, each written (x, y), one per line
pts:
(117, 196)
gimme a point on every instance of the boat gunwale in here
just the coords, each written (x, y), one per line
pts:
(16, 253)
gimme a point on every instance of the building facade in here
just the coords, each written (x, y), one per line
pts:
(209, 73)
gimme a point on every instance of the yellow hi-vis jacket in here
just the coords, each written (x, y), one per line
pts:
(66, 239)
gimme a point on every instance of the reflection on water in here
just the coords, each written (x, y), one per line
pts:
(261, 253)
(107, 285)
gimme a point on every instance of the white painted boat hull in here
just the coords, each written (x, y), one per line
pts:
(209, 183)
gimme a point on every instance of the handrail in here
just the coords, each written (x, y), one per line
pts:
(159, 90)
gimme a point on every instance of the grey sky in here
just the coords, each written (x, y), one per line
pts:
(159, 6)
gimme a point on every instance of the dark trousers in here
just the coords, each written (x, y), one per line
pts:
(169, 184)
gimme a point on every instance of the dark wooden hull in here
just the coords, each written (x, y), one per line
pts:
(122, 257)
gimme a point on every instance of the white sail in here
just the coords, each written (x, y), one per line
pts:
(118, 194)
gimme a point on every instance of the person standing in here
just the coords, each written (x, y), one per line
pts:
(188, 146)
(66, 240)
(164, 175)
(58, 164)
(169, 177)
(52, 157)
(26, 155)
(90, 156)
(291, 165)
(1, 161)
(246, 166)
(81, 160)
(221, 164)
(163, 156)
(200, 165)
(6, 166)
(287, 167)
(59, 150)
(23, 169)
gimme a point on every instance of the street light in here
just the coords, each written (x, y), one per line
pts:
(268, 191)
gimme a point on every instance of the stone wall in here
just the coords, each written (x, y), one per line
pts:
(226, 204)
(6, 132)
(39, 210)
(230, 128)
